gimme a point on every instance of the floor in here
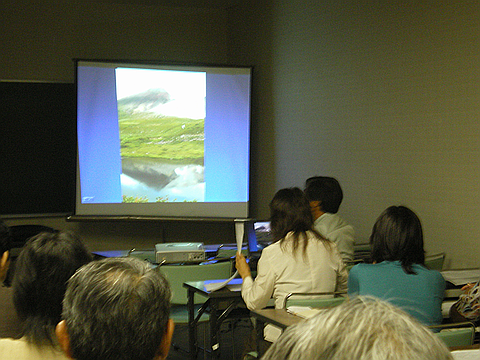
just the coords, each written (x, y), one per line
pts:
(232, 343)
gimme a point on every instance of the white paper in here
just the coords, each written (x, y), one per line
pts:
(213, 286)
(239, 232)
(466, 354)
(234, 287)
(305, 312)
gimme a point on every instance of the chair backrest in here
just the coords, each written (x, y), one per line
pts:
(435, 262)
(178, 274)
(315, 300)
(229, 253)
(362, 252)
(459, 334)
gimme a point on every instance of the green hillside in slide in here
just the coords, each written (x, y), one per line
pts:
(148, 135)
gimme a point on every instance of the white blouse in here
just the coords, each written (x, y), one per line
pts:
(279, 273)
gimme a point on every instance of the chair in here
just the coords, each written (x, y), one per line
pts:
(435, 262)
(457, 334)
(351, 264)
(178, 274)
(229, 252)
(362, 253)
(315, 300)
(145, 255)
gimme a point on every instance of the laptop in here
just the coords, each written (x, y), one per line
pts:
(258, 237)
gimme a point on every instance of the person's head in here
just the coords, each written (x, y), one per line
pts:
(41, 272)
(290, 212)
(360, 329)
(116, 308)
(397, 236)
(5, 246)
(324, 194)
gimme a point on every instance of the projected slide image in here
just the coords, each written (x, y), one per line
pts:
(161, 117)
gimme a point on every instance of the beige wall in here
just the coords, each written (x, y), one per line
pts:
(382, 95)
(40, 38)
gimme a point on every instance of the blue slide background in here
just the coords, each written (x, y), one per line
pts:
(227, 137)
(98, 136)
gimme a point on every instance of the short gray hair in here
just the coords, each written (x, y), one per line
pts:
(361, 328)
(116, 308)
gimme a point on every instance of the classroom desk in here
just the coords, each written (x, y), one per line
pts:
(466, 352)
(278, 317)
(222, 304)
(282, 318)
(210, 251)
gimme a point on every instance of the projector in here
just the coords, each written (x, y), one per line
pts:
(179, 252)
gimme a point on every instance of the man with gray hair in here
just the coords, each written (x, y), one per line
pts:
(362, 329)
(116, 308)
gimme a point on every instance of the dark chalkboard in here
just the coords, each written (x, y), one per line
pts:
(37, 148)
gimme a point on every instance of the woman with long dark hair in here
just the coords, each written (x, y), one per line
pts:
(299, 260)
(398, 273)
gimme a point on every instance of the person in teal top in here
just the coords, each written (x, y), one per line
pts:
(398, 274)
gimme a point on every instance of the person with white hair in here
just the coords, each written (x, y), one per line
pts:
(364, 328)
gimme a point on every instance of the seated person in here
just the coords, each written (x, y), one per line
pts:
(42, 269)
(116, 308)
(360, 329)
(398, 273)
(9, 322)
(299, 259)
(325, 196)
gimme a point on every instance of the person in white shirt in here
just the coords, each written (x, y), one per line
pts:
(299, 260)
(325, 196)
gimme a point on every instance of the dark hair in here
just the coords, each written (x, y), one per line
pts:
(290, 212)
(397, 236)
(5, 238)
(116, 308)
(42, 269)
(325, 189)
